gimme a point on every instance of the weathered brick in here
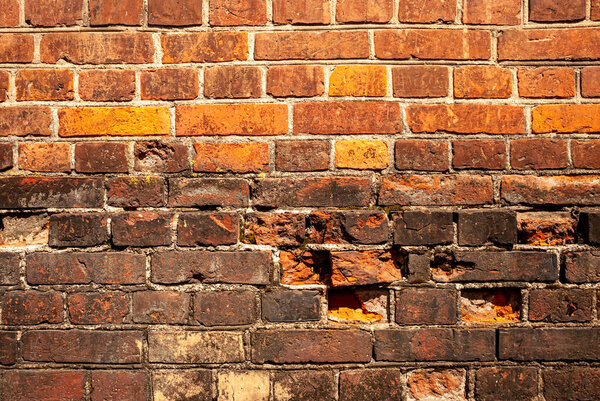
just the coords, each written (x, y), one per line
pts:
(590, 227)
(191, 192)
(549, 44)
(344, 227)
(195, 346)
(420, 81)
(162, 307)
(479, 154)
(298, 385)
(317, 346)
(44, 192)
(560, 305)
(8, 348)
(182, 385)
(472, 82)
(357, 80)
(82, 346)
(349, 268)
(22, 229)
(169, 84)
(305, 267)
(324, 45)
(244, 385)
(239, 12)
(116, 12)
(43, 385)
(490, 306)
(301, 12)
(174, 12)
(22, 121)
(571, 383)
(312, 191)
(141, 229)
(211, 267)
(97, 47)
(69, 229)
(201, 47)
(426, 306)
(217, 157)
(107, 85)
(6, 156)
(160, 157)
(466, 118)
(438, 190)
(482, 227)
(135, 191)
(357, 305)
(295, 80)
(370, 384)
(546, 82)
(45, 157)
(4, 83)
(578, 190)
(549, 344)
(229, 119)
(114, 121)
(225, 308)
(590, 81)
(10, 13)
(508, 383)
(595, 11)
(275, 229)
(418, 268)
(302, 155)
(421, 155)
(232, 82)
(431, 384)
(51, 84)
(361, 155)
(427, 11)
(432, 44)
(282, 305)
(53, 12)
(435, 344)
(16, 48)
(9, 268)
(566, 118)
(101, 157)
(423, 228)
(489, 12)
(556, 10)
(546, 228)
(207, 229)
(31, 307)
(119, 384)
(83, 268)
(98, 308)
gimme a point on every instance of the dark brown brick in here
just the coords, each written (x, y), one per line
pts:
(281, 305)
(225, 308)
(538, 154)
(506, 383)
(276, 229)
(418, 268)
(302, 155)
(101, 157)
(371, 384)
(9, 268)
(301, 385)
(421, 155)
(119, 384)
(169, 84)
(174, 12)
(479, 154)
(160, 307)
(161, 157)
(586, 154)
(207, 229)
(590, 227)
(423, 228)
(560, 305)
(141, 229)
(42, 385)
(98, 308)
(344, 227)
(116, 12)
(31, 307)
(47, 192)
(53, 12)
(232, 82)
(8, 349)
(487, 226)
(426, 306)
(582, 267)
(571, 383)
(193, 192)
(136, 191)
(556, 10)
(68, 229)
(6, 156)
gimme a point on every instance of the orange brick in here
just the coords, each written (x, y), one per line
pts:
(301, 12)
(44, 85)
(420, 81)
(361, 155)
(116, 12)
(4, 85)
(492, 12)
(466, 118)
(549, 44)
(53, 12)
(10, 13)
(595, 12)
(557, 10)
(202, 47)
(174, 12)
(295, 81)
(232, 119)
(169, 84)
(23, 121)
(238, 12)
(427, 11)
(232, 82)
(231, 157)
(326, 45)
(45, 157)
(586, 154)
(364, 10)
(114, 121)
(107, 85)
(473, 82)
(356, 80)
(433, 44)
(16, 48)
(590, 82)
(546, 82)
(566, 118)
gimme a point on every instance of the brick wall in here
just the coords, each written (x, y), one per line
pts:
(299, 200)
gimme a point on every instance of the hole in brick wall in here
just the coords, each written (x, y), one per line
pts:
(491, 305)
(546, 229)
(21, 229)
(357, 305)
(305, 267)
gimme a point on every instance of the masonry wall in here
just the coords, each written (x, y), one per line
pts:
(299, 200)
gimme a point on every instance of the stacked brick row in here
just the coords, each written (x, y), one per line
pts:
(276, 200)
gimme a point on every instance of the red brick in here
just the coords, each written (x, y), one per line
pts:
(538, 154)
(45, 192)
(546, 82)
(590, 82)
(436, 190)
(31, 307)
(45, 157)
(302, 155)
(549, 44)
(353, 11)
(426, 306)
(586, 154)
(246, 157)
(97, 48)
(301, 12)
(201, 47)
(466, 118)
(571, 383)
(98, 308)
(420, 81)
(352, 226)
(174, 12)
(71, 229)
(53, 12)
(44, 85)
(275, 229)
(192, 192)
(295, 81)
(16, 48)
(8, 349)
(225, 308)
(371, 384)
(508, 383)
(566, 118)
(119, 385)
(490, 12)
(160, 307)
(232, 82)
(419, 154)
(160, 157)
(347, 118)
(10, 13)
(169, 84)
(84, 346)
(350, 268)
(325, 45)
(573, 190)
(432, 44)
(107, 85)
(300, 346)
(6, 156)
(116, 12)
(84, 268)
(43, 385)
(24, 121)
(141, 229)
(101, 157)
(427, 11)
(207, 229)
(4, 85)
(474, 82)
(560, 305)
(237, 12)
(479, 154)
(136, 191)
(556, 10)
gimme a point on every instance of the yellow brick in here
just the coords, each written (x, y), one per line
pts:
(363, 155)
(358, 80)
(118, 121)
